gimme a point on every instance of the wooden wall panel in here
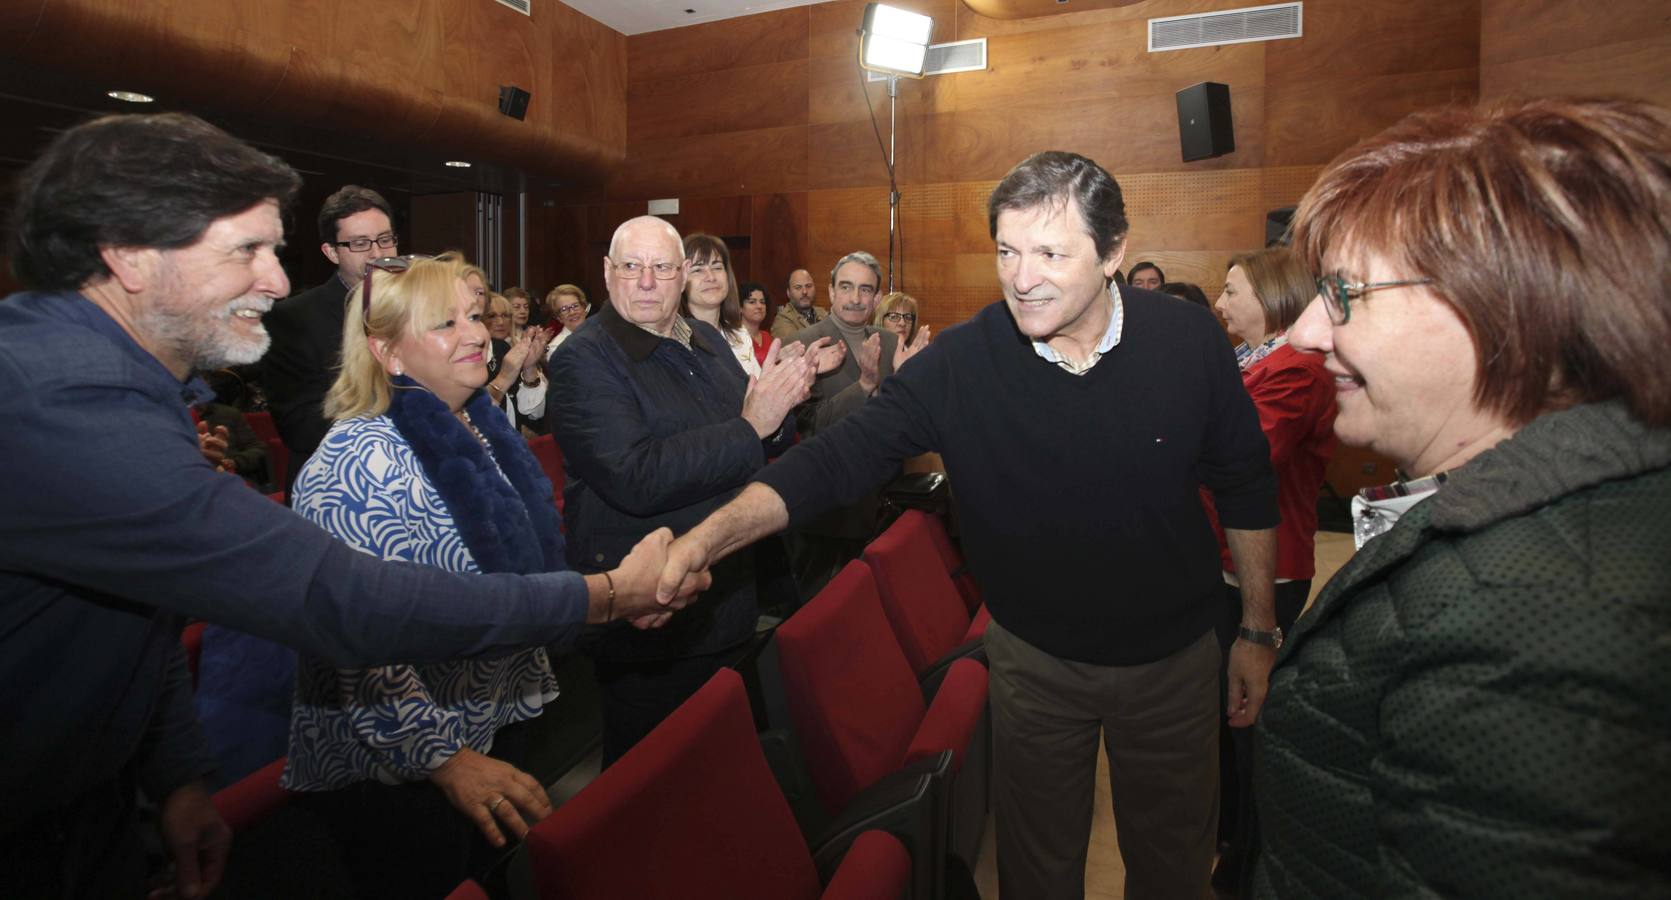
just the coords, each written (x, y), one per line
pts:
(764, 161)
(769, 37)
(1542, 47)
(421, 73)
(744, 99)
(1362, 66)
(778, 226)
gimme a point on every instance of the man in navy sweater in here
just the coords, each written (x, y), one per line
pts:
(1077, 421)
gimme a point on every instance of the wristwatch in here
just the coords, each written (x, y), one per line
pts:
(1271, 639)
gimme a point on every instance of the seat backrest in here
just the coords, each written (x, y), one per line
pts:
(917, 593)
(937, 532)
(550, 456)
(692, 811)
(852, 697)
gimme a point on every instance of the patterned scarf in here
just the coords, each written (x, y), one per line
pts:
(1246, 356)
(507, 527)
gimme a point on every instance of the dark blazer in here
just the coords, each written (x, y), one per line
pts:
(838, 393)
(652, 434)
(301, 365)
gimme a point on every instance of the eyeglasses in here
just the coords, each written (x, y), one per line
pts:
(632, 268)
(899, 317)
(1338, 293)
(572, 307)
(394, 265)
(360, 245)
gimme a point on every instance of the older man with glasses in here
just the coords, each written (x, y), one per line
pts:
(354, 227)
(659, 427)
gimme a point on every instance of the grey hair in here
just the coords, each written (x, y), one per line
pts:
(858, 256)
(615, 239)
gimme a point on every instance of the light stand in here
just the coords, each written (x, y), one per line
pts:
(892, 42)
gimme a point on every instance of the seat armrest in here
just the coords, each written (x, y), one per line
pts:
(877, 867)
(931, 679)
(911, 804)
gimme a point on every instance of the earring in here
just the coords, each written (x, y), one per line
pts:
(399, 370)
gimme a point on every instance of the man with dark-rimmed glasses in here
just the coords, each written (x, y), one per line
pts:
(355, 226)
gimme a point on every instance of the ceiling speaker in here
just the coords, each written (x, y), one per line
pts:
(513, 101)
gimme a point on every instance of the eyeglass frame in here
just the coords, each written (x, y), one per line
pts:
(394, 265)
(378, 241)
(899, 317)
(1336, 292)
(571, 307)
(673, 271)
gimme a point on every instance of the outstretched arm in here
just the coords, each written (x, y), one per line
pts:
(755, 513)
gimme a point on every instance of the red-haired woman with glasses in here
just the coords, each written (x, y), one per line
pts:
(418, 769)
(1476, 704)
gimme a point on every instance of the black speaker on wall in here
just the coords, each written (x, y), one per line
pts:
(513, 101)
(1204, 127)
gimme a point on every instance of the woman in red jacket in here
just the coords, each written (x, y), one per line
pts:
(1264, 293)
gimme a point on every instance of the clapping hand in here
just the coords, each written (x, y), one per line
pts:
(869, 358)
(213, 444)
(903, 351)
(782, 384)
(538, 339)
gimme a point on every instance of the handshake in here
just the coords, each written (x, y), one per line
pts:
(661, 574)
(630, 591)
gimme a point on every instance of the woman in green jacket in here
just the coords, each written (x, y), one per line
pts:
(1479, 703)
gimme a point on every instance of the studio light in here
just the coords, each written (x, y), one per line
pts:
(894, 41)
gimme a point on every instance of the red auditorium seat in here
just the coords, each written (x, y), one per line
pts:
(953, 558)
(853, 698)
(693, 812)
(551, 460)
(917, 593)
(191, 641)
(253, 799)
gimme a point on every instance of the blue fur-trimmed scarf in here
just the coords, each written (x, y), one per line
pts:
(507, 527)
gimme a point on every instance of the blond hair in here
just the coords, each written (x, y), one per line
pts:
(898, 301)
(402, 304)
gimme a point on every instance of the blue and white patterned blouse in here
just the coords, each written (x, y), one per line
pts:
(395, 723)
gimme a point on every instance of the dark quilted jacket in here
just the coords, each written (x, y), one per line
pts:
(1479, 704)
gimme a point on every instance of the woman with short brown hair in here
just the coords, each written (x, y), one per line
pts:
(1475, 705)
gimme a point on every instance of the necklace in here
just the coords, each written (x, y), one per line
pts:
(464, 416)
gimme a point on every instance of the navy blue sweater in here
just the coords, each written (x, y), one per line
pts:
(1076, 494)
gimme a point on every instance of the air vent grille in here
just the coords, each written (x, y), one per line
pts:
(521, 6)
(1234, 26)
(943, 59)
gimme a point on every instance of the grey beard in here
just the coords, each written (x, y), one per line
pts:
(197, 340)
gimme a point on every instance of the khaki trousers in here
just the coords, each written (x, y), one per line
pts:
(1159, 723)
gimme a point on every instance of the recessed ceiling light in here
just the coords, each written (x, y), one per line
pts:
(131, 96)
(457, 163)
